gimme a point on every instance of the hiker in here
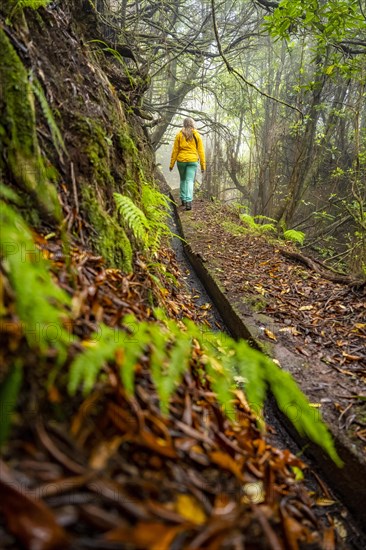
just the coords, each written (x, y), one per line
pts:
(187, 151)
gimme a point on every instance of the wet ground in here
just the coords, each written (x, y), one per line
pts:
(330, 503)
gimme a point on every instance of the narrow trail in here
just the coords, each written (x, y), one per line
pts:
(194, 284)
(354, 537)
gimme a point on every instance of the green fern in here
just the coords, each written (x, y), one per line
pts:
(134, 218)
(87, 366)
(55, 132)
(177, 346)
(170, 351)
(40, 303)
(294, 236)
(148, 223)
(294, 404)
(250, 222)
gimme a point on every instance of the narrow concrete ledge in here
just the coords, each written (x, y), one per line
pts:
(349, 482)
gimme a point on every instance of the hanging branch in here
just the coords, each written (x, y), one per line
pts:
(231, 69)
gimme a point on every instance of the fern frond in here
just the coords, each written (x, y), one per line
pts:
(154, 203)
(248, 220)
(294, 236)
(47, 112)
(134, 345)
(156, 207)
(170, 351)
(134, 217)
(147, 223)
(246, 363)
(40, 304)
(86, 367)
(266, 227)
(178, 352)
(294, 404)
(220, 374)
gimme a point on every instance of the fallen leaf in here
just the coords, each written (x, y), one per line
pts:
(260, 289)
(351, 357)
(104, 451)
(149, 535)
(189, 508)
(328, 539)
(270, 334)
(225, 461)
(30, 520)
(293, 531)
(325, 502)
(290, 330)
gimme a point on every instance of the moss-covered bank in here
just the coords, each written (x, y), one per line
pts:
(105, 151)
(22, 162)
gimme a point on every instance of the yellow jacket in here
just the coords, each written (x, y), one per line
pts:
(188, 151)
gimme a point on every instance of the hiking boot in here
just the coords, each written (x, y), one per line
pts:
(184, 203)
(188, 205)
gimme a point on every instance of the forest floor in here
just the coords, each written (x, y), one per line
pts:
(322, 322)
(313, 327)
(109, 471)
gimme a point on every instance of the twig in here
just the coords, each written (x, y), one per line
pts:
(73, 179)
(74, 187)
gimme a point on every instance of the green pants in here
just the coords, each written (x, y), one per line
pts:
(187, 171)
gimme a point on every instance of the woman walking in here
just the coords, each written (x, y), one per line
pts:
(187, 151)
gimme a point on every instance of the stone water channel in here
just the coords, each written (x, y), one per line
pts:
(350, 525)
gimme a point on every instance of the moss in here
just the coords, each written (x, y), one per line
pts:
(133, 159)
(111, 242)
(18, 138)
(127, 144)
(255, 303)
(100, 165)
(96, 144)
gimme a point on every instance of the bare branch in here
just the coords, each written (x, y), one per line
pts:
(231, 69)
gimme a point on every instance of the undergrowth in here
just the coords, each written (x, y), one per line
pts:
(170, 348)
(147, 221)
(255, 225)
(170, 352)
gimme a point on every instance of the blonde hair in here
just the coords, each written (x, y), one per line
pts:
(188, 126)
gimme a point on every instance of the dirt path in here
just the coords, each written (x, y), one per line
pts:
(322, 322)
(292, 308)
